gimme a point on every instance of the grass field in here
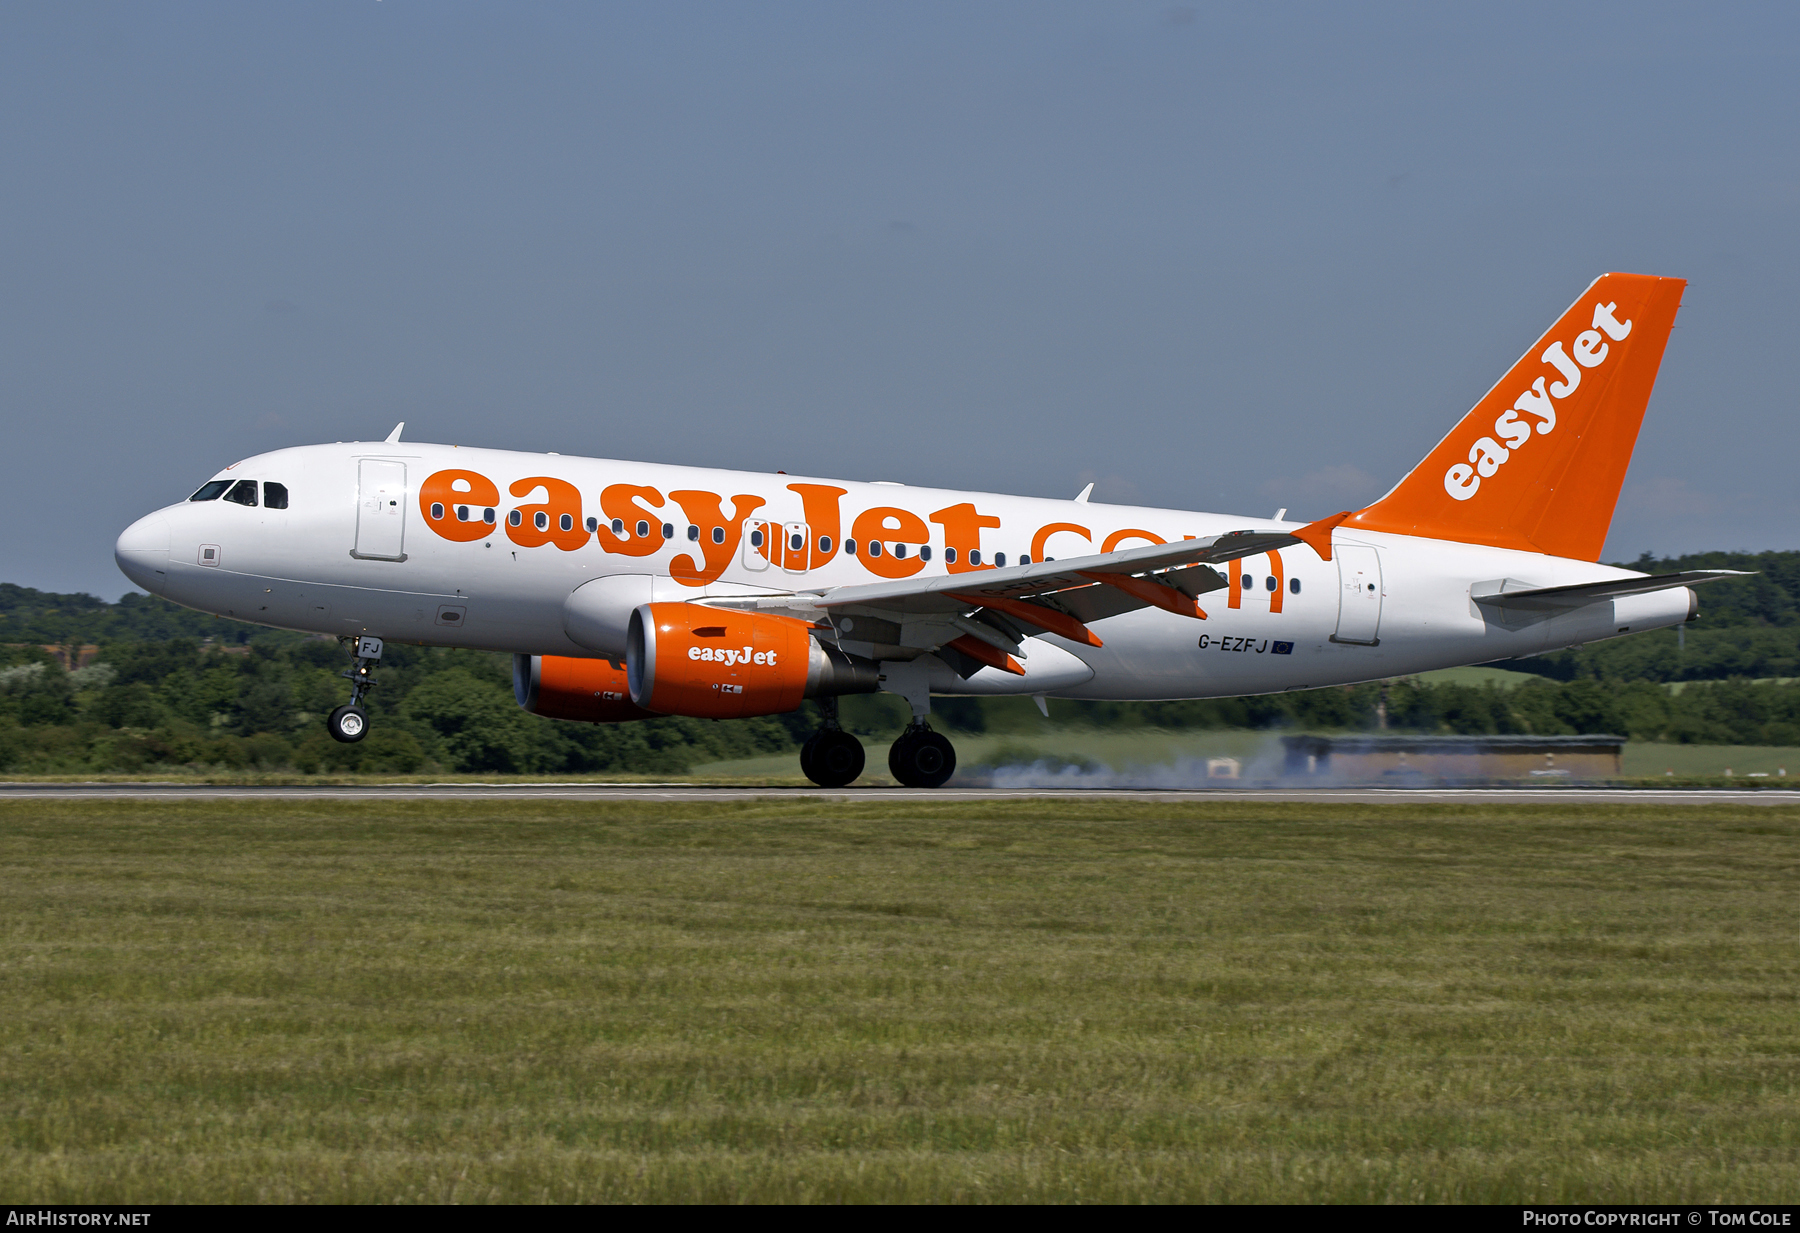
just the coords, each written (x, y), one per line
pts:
(1041, 1000)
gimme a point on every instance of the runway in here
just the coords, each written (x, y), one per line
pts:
(697, 793)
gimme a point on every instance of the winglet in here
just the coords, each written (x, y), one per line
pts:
(394, 436)
(1317, 535)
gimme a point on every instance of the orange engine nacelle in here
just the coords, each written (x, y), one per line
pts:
(712, 663)
(558, 687)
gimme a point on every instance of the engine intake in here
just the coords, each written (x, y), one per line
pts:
(715, 663)
(559, 687)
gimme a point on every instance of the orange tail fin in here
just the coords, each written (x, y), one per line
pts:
(1538, 463)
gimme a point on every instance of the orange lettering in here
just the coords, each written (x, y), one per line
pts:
(1112, 541)
(620, 502)
(457, 513)
(1280, 580)
(557, 521)
(962, 531)
(872, 526)
(1235, 600)
(1045, 532)
(821, 504)
(705, 510)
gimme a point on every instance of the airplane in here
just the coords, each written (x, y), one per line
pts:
(627, 590)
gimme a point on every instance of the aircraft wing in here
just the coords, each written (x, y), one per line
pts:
(983, 617)
(1508, 593)
(939, 594)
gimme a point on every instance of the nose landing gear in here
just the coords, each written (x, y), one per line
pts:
(350, 723)
(831, 757)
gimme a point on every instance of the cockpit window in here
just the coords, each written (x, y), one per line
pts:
(274, 495)
(243, 492)
(210, 490)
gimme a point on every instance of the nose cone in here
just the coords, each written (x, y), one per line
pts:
(143, 552)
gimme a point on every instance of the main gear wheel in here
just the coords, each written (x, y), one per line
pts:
(832, 758)
(921, 758)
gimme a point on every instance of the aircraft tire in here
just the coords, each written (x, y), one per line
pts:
(922, 759)
(348, 724)
(836, 761)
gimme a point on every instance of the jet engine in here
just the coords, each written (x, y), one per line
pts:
(559, 687)
(716, 663)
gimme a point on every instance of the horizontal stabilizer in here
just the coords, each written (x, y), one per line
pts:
(1511, 593)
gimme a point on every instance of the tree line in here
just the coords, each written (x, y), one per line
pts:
(88, 686)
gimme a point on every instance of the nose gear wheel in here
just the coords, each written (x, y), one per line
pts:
(350, 723)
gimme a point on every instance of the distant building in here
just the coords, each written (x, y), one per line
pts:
(1381, 758)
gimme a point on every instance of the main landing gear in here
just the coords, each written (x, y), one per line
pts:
(831, 757)
(922, 758)
(350, 722)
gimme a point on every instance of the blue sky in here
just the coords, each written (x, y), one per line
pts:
(1221, 257)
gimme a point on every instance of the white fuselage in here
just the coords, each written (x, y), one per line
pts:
(356, 552)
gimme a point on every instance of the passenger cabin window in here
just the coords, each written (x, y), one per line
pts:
(643, 529)
(437, 511)
(974, 556)
(924, 552)
(900, 552)
(242, 493)
(718, 535)
(949, 556)
(274, 495)
(515, 518)
(1024, 560)
(874, 547)
(1294, 585)
(462, 513)
(1247, 582)
(487, 515)
(618, 526)
(668, 530)
(541, 520)
(211, 490)
(756, 538)
(593, 524)
(1271, 585)
(824, 544)
(849, 547)
(693, 534)
(999, 560)
(566, 522)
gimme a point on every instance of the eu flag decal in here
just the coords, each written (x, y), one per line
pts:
(1282, 648)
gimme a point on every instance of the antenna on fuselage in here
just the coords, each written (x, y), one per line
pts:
(394, 436)
(1082, 496)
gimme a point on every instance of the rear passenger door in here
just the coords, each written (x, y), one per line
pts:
(1359, 594)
